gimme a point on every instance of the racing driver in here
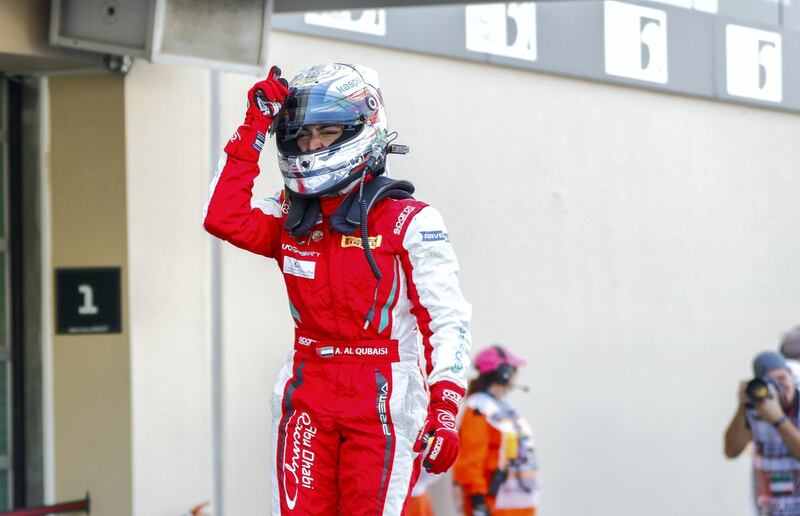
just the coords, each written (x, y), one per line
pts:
(370, 275)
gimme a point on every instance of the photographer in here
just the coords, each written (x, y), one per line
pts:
(767, 415)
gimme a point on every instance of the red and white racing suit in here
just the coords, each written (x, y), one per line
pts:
(349, 402)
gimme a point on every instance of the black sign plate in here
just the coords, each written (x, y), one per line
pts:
(88, 300)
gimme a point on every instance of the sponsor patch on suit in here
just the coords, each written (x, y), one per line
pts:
(299, 268)
(353, 241)
(434, 236)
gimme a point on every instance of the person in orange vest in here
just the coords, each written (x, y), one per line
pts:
(496, 469)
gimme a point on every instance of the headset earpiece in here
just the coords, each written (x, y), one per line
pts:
(502, 375)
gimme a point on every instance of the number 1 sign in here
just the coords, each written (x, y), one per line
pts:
(88, 300)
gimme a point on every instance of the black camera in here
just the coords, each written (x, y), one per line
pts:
(757, 389)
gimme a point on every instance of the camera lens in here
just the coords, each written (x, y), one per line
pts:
(757, 390)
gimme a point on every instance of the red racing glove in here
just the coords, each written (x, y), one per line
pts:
(265, 99)
(440, 426)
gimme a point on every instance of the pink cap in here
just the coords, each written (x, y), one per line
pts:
(490, 359)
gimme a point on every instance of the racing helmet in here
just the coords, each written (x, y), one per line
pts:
(329, 94)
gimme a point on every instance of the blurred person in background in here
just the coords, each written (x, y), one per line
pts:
(770, 421)
(790, 349)
(368, 270)
(497, 470)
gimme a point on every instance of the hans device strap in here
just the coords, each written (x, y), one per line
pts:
(304, 211)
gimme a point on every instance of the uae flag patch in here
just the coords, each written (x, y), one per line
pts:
(325, 352)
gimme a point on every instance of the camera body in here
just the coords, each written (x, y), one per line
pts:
(758, 389)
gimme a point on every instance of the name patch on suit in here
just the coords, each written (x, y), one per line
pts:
(299, 268)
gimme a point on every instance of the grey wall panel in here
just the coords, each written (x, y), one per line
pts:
(690, 39)
(571, 38)
(791, 15)
(791, 69)
(642, 44)
(432, 30)
(751, 11)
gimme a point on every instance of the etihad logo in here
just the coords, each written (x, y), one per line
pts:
(353, 241)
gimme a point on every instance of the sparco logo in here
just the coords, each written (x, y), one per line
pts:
(401, 219)
(302, 460)
(305, 341)
(437, 447)
(349, 85)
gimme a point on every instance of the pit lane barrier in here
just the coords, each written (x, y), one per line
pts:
(59, 508)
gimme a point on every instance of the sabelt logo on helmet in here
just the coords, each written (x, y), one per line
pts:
(447, 419)
(302, 458)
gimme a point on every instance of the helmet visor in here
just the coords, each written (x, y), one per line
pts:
(309, 107)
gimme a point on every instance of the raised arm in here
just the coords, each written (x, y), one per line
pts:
(230, 213)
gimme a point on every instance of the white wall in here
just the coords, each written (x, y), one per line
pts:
(166, 109)
(637, 248)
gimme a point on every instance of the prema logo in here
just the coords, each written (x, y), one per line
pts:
(502, 29)
(635, 42)
(366, 21)
(383, 416)
(753, 63)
